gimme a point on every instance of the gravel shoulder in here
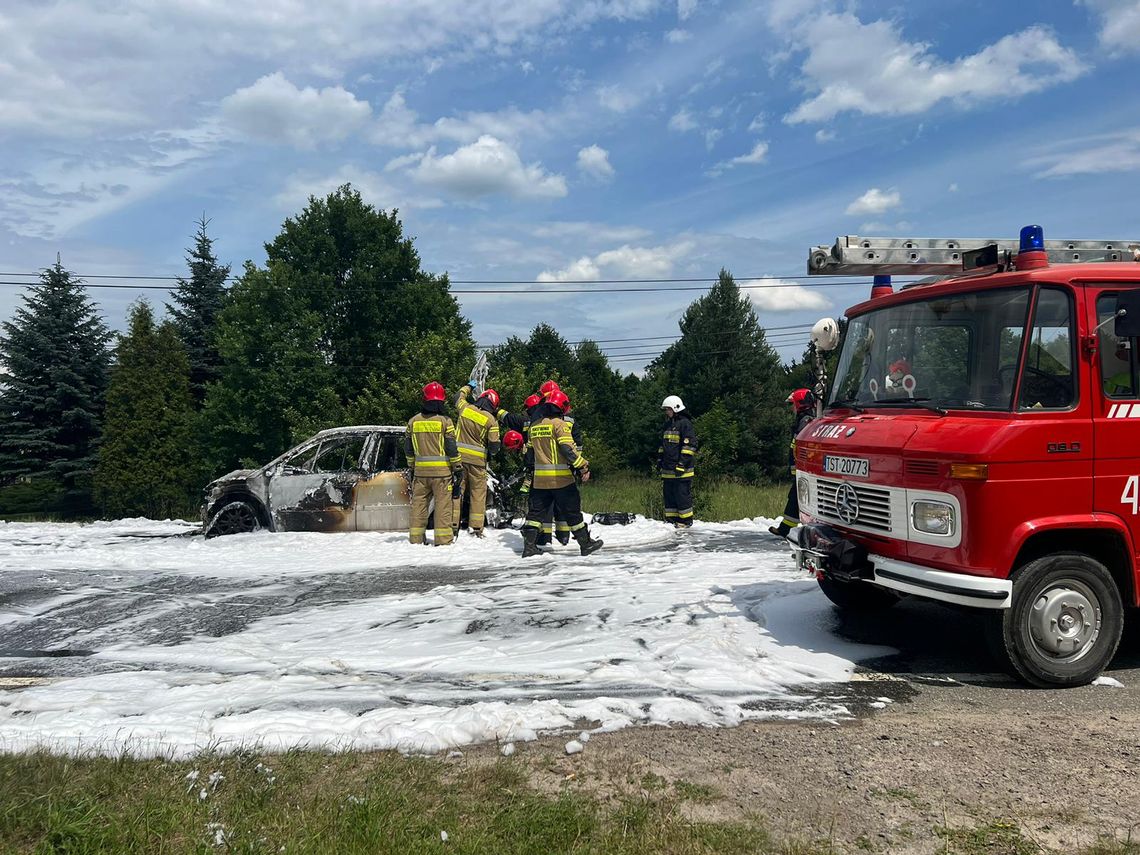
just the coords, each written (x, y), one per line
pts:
(959, 760)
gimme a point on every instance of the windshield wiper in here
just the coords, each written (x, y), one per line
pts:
(848, 403)
(920, 403)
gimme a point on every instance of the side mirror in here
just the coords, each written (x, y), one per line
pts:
(1127, 314)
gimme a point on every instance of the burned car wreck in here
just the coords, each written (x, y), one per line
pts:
(342, 479)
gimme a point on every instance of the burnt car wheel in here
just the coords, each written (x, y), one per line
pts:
(856, 596)
(1065, 622)
(237, 517)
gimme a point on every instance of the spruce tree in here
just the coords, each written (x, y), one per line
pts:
(724, 356)
(197, 302)
(55, 352)
(145, 461)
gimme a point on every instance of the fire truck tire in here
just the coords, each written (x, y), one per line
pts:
(857, 596)
(1064, 624)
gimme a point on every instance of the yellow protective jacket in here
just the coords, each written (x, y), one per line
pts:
(430, 445)
(556, 456)
(476, 431)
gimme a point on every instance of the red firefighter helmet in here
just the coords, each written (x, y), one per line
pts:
(801, 399)
(513, 440)
(549, 386)
(560, 400)
(492, 396)
(532, 401)
(434, 392)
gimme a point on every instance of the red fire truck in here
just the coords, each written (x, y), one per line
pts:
(980, 445)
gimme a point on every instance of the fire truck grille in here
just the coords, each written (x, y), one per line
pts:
(922, 467)
(873, 510)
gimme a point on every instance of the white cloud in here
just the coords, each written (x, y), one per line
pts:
(758, 123)
(398, 125)
(1117, 152)
(373, 187)
(712, 137)
(488, 167)
(274, 110)
(685, 8)
(625, 262)
(823, 135)
(676, 37)
(617, 98)
(758, 154)
(526, 66)
(1119, 23)
(594, 161)
(779, 295)
(953, 188)
(682, 121)
(874, 202)
(870, 69)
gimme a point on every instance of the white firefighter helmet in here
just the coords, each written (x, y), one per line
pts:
(825, 334)
(674, 403)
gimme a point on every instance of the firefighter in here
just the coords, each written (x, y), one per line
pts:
(560, 529)
(675, 458)
(477, 435)
(429, 444)
(556, 461)
(803, 403)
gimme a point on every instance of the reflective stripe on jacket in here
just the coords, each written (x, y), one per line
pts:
(555, 454)
(430, 446)
(801, 422)
(678, 450)
(476, 431)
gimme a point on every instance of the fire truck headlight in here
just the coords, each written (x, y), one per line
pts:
(933, 518)
(803, 491)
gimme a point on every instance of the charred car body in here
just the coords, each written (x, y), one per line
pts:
(342, 479)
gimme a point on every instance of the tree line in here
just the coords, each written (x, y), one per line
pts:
(341, 325)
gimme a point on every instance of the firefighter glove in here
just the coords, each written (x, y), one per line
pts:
(474, 384)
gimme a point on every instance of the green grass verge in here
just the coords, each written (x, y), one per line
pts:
(307, 802)
(317, 803)
(718, 501)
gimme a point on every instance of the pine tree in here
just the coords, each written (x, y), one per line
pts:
(145, 460)
(724, 356)
(197, 302)
(55, 351)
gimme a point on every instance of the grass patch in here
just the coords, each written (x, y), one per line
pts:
(718, 501)
(994, 838)
(317, 803)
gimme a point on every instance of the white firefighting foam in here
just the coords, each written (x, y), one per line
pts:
(365, 641)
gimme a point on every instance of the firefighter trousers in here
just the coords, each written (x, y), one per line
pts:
(792, 506)
(473, 484)
(563, 502)
(678, 500)
(424, 490)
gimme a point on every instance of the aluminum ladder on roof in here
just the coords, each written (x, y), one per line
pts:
(853, 255)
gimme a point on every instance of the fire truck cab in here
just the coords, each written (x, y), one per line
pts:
(980, 444)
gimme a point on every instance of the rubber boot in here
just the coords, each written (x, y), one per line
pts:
(585, 542)
(563, 536)
(780, 530)
(530, 542)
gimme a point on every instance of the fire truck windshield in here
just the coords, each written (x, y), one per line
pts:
(960, 351)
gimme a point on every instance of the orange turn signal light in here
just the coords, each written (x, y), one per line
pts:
(970, 471)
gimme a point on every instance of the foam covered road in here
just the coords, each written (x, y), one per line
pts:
(141, 636)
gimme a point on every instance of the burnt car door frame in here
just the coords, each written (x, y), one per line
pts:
(311, 500)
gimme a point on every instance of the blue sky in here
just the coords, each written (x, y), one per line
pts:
(554, 140)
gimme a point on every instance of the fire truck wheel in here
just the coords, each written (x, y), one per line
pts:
(857, 596)
(1065, 622)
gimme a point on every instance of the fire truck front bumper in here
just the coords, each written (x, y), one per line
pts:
(823, 550)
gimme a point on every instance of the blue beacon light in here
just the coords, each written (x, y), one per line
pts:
(1032, 239)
